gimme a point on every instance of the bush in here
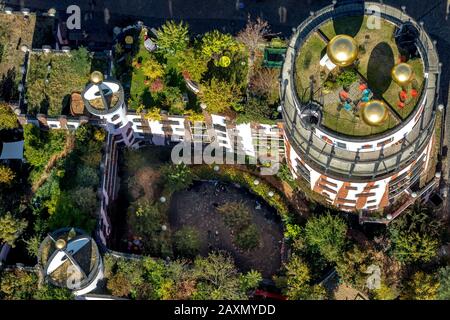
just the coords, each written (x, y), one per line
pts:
(87, 177)
(236, 215)
(172, 38)
(415, 235)
(346, 78)
(219, 96)
(176, 177)
(8, 119)
(186, 242)
(11, 228)
(326, 235)
(248, 238)
(6, 175)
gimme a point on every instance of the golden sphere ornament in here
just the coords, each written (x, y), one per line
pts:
(96, 77)
(342, 50)
(374, 112)
(402, 73)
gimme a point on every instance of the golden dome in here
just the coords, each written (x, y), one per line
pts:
(374, 112)
(96, 77)
(129, 40)
(402, 73)
(342, 50)
(60, 244)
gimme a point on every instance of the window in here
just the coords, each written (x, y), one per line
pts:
(341, 145)
(118, 125)
(115, 117)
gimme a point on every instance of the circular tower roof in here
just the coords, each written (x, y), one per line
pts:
(69, 259)
(102, 96)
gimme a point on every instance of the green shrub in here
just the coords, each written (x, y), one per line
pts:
(186, 242)
(248, 238)
(346, 78)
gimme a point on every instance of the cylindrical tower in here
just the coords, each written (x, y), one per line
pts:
(364, 142)
(105, 98)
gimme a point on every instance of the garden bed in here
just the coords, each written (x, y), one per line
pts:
(49, 88)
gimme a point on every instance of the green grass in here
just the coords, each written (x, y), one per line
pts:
(378, 54)
(381, 55)
(307, 63)
(68, 73)
(345, 122)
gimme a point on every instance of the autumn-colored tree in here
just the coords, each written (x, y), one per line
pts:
(264, 83)
(298, 280)
(6, 175)
(252, 36)
(17, 285)
(11, 228)
(421, 286)
(172, 38)
(8, 119)
(193, 64)
(152, 69)
(215, 43)
(219, 96)
(119, 285)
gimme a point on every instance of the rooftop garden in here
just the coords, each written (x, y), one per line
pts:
(15, 32)
(181, 73)
(368, 78)
(53, 77)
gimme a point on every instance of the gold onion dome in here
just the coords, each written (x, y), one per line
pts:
(342, 50)
(374, 112)
(402, 73)
(60, 244)
(96, 77)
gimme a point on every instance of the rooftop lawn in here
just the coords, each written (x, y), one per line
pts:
(16, 31)
(378, 54)
(49, 90)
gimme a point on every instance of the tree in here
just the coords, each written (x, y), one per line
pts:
(265, 84)
(444, 283)
(11, 228)
(385, 292)
(298, 280)
(421, 286)
(48, 292)
(8, 119)
(217, 278)
(152, 69)
(193, 64)
(119, 285)
(86, 199)
(219, 95)
(33, 245)
(146, 220)
(87, 177)
(250, 280)
(187, 241)
(326, 235)
(6, 175)
(415, 235)
(352, 266)
(215, 43)
(17, 285)
(248, 238)
(252, 36)
(172, 38)
(177, 177)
